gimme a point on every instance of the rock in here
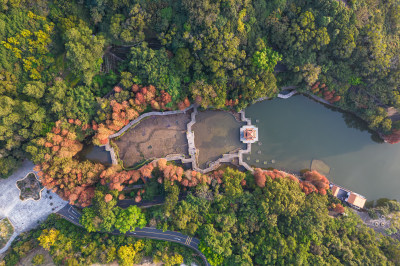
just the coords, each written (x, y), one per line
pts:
(320, 167)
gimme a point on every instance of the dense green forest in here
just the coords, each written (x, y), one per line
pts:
(74, 72)
(72, 245)
(268, 218)
(58, 59)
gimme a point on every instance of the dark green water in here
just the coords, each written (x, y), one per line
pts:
(297, 130)
(216, 133)
(96, 154)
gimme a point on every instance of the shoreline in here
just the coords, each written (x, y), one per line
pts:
(323, 102)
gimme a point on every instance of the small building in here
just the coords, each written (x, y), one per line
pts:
(352, 198)
(356, 200)
(248, 134)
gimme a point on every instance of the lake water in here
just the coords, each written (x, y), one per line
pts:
(216, 133)
(294, 131)
(96, 154)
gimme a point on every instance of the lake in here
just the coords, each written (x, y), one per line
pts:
(294, 131)
(216, 133)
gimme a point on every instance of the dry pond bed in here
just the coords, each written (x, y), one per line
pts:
(154, 137)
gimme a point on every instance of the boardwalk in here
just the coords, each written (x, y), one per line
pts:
(192, 150)
(226, 158)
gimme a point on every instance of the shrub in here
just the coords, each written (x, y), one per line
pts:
(38, 259)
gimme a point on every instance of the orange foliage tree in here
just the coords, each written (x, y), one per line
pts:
(314, 181)
(59, 170)
(339, 208)
(122, 113)
(320, 182)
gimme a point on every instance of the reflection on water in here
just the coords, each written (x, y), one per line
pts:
(96, 154)
(215, 133)
(297, 130)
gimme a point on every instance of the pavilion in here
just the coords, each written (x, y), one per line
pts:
(248, 134)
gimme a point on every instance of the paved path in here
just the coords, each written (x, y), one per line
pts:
(226, 158)
(193, 152)
(287, 96)
(25, 215)
(71, 214)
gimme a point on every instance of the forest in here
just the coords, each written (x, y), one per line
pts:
(266, 218)
(72, 73)
(60, 60)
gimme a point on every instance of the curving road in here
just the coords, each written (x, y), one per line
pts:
(69, 213)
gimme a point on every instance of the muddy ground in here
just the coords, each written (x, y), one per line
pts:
(154, 137)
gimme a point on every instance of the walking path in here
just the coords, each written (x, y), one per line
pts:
(69, 213)
(280, 95)
(25, 215)
(226, 158)
(287, 96)
(192, 150)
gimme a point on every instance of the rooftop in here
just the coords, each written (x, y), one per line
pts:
(356, 200)
(248, 134)
(348, 196)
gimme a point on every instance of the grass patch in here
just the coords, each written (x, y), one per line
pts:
(6, 231)
(139, 164)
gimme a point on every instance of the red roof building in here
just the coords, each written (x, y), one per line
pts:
(250, 134)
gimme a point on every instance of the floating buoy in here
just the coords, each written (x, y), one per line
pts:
(248, 158)
(265, 162)
(259, 144)
(257, 161)
(272, 161)
(257, 121)
(259, 152)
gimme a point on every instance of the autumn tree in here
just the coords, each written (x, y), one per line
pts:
(48, 238)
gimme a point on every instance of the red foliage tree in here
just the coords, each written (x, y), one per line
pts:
(135, 88)
(260, 178)
(138, 199)
(318, 180)
(165, 97)
(108, 197)
(307, 187)
(187, 102)
(339, 208)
